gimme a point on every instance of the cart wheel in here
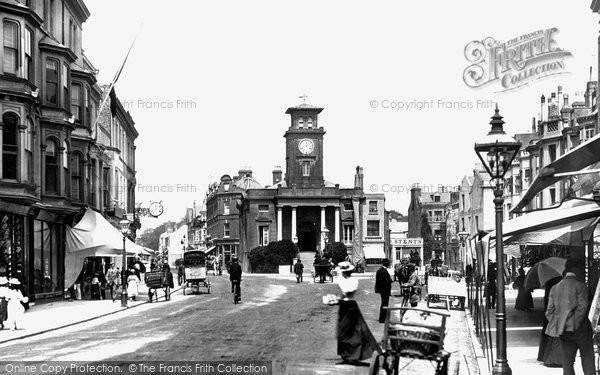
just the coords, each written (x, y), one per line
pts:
(395, 365)
(379, 365)
(442, 366)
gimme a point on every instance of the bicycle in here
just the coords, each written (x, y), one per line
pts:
(237, 291)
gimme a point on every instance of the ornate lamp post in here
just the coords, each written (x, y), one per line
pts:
(497, 151)
(124, 231)
(462, 238)
(325, 236)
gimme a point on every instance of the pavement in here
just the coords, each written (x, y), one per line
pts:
(47, 317)
(523, 331)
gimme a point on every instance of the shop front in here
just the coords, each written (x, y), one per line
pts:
(407, 248)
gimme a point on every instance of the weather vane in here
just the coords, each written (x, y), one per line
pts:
(303, 97)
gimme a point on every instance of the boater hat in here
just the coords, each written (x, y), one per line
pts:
(345, 267)
(3, 280)
(15, 281)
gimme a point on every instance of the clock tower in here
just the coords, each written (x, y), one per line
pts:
(304, 147)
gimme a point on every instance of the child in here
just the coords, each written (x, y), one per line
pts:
(15, 307)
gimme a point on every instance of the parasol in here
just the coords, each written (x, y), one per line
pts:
(543, 271)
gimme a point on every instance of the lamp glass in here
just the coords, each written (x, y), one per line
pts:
(124, 226)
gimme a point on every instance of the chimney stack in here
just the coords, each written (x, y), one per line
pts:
(277, 173)
(358, 178)
(559, 97)
(589, 91)
(533, 125)
(542, 108)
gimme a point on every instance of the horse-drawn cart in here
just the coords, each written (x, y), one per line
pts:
(194, 263)
(451, 291)
(323, 272)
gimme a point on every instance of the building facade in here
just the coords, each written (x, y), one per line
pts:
(303, 207)
(223, 201)
(437, 206)
(50, 158)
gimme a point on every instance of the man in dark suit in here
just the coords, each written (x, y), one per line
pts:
(567, 318)
(383, 286)
(235, 276)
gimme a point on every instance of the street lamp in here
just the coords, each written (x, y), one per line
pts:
(462, 237)
(325, 236)
(124, 231)
(497, 151)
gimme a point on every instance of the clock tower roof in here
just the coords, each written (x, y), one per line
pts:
(304, 107)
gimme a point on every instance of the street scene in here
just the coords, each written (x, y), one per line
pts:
(315, 188)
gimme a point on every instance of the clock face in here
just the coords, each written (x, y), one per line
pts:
(306, 146)
(155, 209)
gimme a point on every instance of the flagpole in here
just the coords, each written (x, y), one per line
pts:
(110, 87)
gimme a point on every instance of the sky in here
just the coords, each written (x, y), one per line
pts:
(208, 84)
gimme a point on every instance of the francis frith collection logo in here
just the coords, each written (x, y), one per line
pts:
(514, 63)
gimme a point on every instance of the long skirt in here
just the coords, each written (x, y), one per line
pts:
(550, 349)
(355, 340)
(3, 309)
(524, 299)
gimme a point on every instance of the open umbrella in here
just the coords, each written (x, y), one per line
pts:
(543, 271)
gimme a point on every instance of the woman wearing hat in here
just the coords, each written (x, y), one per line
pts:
(15, 308)
(355, 340)
(4, 292)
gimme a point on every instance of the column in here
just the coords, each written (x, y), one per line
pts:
(294, 234)
(279, 224)
(322, 227)
(336, 225)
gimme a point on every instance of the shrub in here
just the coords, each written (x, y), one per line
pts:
(261, 261)
(267, 259)
(337, 251)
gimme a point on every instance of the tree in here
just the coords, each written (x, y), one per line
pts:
(150, 238)
(398, 216)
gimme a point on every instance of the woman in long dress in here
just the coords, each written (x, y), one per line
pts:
(524, 298)
(355, 340)
(4, 293)
(550, 350)
(15, 308)
(132, 285)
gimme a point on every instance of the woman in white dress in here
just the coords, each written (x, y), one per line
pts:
(132, 285)
(15, 308)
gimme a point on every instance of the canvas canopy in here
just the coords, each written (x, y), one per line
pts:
(374, 252)
(94, 236)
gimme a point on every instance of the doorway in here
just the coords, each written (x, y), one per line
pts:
(307, 237)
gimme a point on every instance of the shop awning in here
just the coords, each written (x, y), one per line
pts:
(374, 252)
(94, 236)
(568, 213)
(575, 160)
